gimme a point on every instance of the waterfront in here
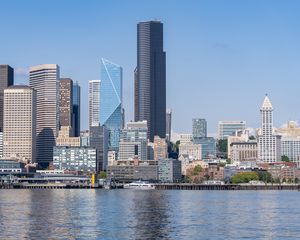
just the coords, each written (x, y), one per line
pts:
(130, 214)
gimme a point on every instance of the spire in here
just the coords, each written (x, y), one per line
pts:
(266, 104)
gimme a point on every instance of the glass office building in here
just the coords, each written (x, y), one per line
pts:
(208, 146)
(111, 115)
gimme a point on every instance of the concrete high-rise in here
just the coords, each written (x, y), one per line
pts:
(76, 110)
(66, 102)
(168, 124)
(111, 114)
(20, 123)
(94, 103)
(268, 143)
(45, 80)
(133, 141)
(6, 80)
(150, 78)
(199, 128)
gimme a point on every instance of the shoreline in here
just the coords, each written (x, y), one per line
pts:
(166, 186)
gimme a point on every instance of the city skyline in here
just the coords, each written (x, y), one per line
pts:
(254, 48)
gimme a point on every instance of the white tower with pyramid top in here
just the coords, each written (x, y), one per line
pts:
(268, 142)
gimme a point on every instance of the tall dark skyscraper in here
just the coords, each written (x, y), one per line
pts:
(6, 80)
(150, 78)
(76, 110)
(66, 103)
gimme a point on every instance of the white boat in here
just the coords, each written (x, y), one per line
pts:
(139, 185)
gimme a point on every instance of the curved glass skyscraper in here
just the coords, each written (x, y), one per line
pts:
(111, 101)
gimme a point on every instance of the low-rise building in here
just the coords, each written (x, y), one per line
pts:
(187, 163)
(134, 170)
(284, 171)
(82, 159)
(212, 172)
(11, 166)
(243, 151)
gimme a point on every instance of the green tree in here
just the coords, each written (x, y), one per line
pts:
(102, 175)
(264, 176)
(222, 147)
(285, 158)
(197, 169)
(187, 179)
(252, 138)
(244, 177)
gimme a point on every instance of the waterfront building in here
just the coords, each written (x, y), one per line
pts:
(6, 80)
(111, 111)
(228, 128)
(199, 128)
(243, 152)
(45, 80)
(65, 138)
(66, 103)
(239, 136)
(94, 102)
(20, 123)
(98, 138)
(160, 148)
(76, 110)
(128, 171)
(212, 172)
(208, 146)
(133, 141)
(192, 150)
(9, 166)
(187, 163)
(269, 146)
(81, 159)
(150, 78)
(168, 124)
(283, 171)
(169, 170)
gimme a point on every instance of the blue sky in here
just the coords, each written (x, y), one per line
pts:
(222, 56)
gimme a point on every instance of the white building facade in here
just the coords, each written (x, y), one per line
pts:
(94, 102)
(269, 146)
(19, 123)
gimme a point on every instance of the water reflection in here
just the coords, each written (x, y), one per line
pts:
(129, 214)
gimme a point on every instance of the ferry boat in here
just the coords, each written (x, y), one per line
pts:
(139, 185)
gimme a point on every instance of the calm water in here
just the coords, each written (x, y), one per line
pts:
(130, 214)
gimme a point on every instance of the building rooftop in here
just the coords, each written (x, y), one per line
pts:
(266, 104)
